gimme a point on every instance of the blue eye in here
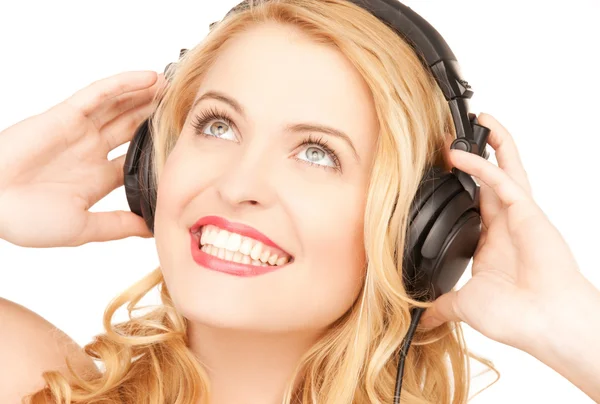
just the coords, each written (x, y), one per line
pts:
(217, 129)
(317, 153)
(318, 149)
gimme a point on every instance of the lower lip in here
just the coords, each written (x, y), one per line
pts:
(229, 267)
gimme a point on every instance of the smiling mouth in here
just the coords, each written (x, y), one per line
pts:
(233, 247)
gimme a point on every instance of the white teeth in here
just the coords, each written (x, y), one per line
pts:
(206, 235)
(237, 256)
(264, 257)
(203, 238)
(213, 232)
(246, 246)
(234, 242)
(256, 250)
(222, 238)
(241, 258)
(237, 248)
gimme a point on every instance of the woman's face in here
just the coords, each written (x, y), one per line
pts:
(256, 171)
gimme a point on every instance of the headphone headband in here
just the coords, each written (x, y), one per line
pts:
(436, 55)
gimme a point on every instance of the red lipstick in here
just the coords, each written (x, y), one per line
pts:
(233, 268)
(238, 228)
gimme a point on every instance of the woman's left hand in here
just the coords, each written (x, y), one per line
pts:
(522, 268)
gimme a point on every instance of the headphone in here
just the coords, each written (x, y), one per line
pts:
(444, 222)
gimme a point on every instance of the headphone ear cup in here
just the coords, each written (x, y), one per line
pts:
(433, 178)
(442, 235)
(137, 170)
(454, 256)
(148, 201)
(141, 197)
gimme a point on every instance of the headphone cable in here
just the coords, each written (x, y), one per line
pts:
(416, 313)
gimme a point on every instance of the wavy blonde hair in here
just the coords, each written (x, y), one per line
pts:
(146, 358)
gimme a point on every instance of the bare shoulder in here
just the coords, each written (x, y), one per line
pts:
(29, 346)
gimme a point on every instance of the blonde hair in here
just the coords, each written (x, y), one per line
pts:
(147, 359)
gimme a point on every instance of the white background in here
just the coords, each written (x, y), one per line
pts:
(532, 64)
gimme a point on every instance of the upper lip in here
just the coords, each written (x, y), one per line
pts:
(235, 227)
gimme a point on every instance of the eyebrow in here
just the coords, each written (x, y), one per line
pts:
(294, 128)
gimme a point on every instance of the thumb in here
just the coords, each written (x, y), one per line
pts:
(106, 226)
(444, 309)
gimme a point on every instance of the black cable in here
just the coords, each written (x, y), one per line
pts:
(415, 317)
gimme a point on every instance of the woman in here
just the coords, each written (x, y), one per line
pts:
(326, 325)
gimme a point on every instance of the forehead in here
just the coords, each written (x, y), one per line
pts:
(280, 76)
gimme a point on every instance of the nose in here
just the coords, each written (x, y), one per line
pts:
(247, 179)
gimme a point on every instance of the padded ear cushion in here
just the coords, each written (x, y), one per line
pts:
(432, 202)
(433, 178)
(148, 200)
(131, 168)
(450, 263)
(137, 175)
(442, 213)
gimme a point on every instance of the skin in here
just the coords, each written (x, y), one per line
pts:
(557, 306)
(250, 332)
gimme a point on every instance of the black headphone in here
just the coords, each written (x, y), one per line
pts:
(445, 221)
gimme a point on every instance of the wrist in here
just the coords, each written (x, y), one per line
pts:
(571, 311)
(566, 333)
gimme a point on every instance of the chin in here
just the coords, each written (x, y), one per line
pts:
(221, 300)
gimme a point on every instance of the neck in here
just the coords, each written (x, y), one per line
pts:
(248, 366)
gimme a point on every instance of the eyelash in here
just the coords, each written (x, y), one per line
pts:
(213, 113)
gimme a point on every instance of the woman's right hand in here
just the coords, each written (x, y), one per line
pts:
(54, 166)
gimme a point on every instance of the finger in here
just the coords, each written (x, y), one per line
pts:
(117, 225)
(121, 129)
(506, 150)
(490, 204)
(110, 178)
(482, 239)
(91, 97)
(493, 176)
(117, 165)
(121, 104)
(480, 244)
(444, 309)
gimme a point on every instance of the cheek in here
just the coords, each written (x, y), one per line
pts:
(333, 250)
(180, 182)
(170, 199)
(178, 185)
(336, 238)
(169, 204)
